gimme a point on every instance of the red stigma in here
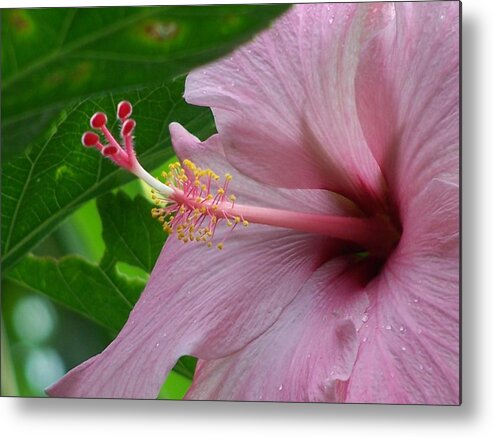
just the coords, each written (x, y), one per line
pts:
(110, 150)
(128, 127)
(124, 110)
(98, 120)
(90, 139)
(123, 154)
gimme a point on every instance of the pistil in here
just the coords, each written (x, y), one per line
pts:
(192, 201)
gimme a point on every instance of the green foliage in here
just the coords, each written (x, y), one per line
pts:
(57, 175)
(100, 291)
(53, 56)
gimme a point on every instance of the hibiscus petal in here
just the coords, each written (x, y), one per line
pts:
(288, 107)
(408, 96)
(410, 352)
(306, 356)
(210, 154)
(207, 303)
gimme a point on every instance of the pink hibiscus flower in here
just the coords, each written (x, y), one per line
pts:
(339, 133)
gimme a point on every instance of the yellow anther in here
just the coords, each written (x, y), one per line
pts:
(232, 197)
(220, 246)
(209, 197)
(237, 219)
(203, 210)
(185, 240)
(209, 244)
(197, 183)
(220, 191)
(245, 223)
(228, 177)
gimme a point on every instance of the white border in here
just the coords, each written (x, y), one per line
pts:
(31, 417)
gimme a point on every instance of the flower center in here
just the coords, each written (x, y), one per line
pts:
(193, 201)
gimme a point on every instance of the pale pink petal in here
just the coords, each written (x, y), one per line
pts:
(306, 356)
(410, 343)
(210, 154)
(285, 104)
(408, 96)
(205, 302)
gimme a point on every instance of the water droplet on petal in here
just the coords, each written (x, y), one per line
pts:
(402, 329)
(157, 344)
(280, 388)
(364, 319)
(388, 327)
(365, 339)
(403, 348)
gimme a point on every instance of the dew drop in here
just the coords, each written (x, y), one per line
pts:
(403, 348)
(416, 300)
(388, 327)
(364, 319)
(157, 344)
(280, 388)
(365, 339)
(402, 329)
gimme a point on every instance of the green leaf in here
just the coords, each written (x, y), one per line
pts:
(54, 55)
(103, 296)
(130, 233)
(101, 292)
(57, 175)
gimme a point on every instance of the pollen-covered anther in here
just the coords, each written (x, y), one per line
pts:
(200, 203)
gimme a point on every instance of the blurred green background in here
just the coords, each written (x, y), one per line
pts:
(78, 241)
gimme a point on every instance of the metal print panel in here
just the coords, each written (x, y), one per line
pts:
(264, 206)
